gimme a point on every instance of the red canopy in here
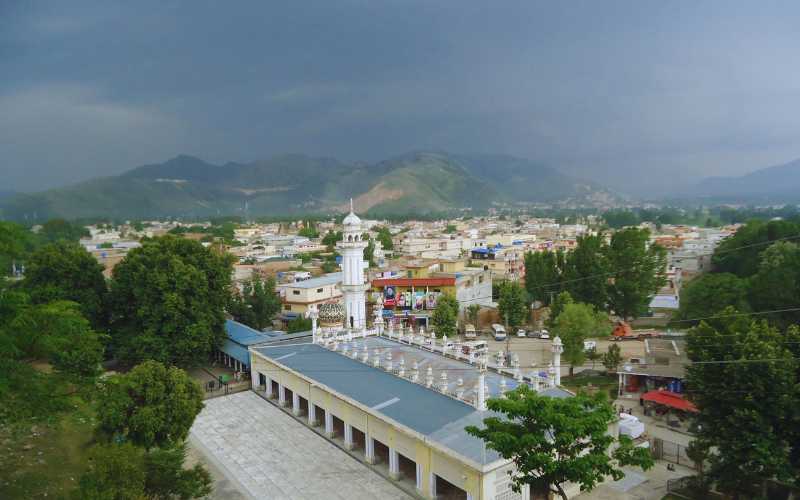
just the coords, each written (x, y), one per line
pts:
(670, 399)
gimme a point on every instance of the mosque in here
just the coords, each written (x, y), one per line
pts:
(395, 398)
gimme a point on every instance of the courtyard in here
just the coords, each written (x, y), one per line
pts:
(269, 455)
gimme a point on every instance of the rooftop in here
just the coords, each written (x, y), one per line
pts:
(328, 279)
(427, 411)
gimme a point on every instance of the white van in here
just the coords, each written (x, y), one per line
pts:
(499, 331)
(474, 347)
(469, 331)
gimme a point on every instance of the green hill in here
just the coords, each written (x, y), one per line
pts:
(415, 183)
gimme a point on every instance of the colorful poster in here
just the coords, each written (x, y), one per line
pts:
(419, 300)
(389, 296)
(408, 301)
(430, 302)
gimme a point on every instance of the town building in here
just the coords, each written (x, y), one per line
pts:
(298, 297)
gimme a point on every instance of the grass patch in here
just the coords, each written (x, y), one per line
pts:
(580, 381)
(48, 459)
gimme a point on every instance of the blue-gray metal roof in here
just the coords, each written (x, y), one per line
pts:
(328, 279)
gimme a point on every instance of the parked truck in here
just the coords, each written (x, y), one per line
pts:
(623, 331)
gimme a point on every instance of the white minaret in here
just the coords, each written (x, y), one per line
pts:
(558, 348)
(353, 284)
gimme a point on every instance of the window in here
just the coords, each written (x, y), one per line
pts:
(296, 292)
(288, 307)
(319, 290)
(480, 279)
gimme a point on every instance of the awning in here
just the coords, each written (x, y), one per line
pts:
(670, 399)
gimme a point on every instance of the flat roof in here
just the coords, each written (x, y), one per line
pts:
(439, 417)
(328, 279)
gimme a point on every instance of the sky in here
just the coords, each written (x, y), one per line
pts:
(640, 95)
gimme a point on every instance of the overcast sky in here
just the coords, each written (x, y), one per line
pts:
(634, 93)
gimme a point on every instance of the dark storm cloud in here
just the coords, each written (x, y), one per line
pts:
(633, 93)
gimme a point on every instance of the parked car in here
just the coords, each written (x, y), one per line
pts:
(469, 331)
(521, 333)
(588, 345)
(499, 331)
(544, 334)
(533, 335)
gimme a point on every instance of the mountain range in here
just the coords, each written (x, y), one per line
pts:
(776, 184)
(414, 183)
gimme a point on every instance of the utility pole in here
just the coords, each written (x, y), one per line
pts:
(508, 340)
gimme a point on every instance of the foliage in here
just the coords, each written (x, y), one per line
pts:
(15, 243)
(257, 304)
(585, 271)
(574, 324)
(557, 306)
(542, 275)
(369, 252)
(125, 472)
(309, 230)
(617, 219)
(709, 294)
(739, 254)
(593, 356)
(331, 238)
(168, 299)
(117, 472)
(512, 305)
(473, 314)
(445, 316)
(776, 284)
(612, 358)
(61, 230)
(66, 271)
(299, 324)
(639, 271)
(150, 406)
(751, 433)
(450, 229)
(553, 441)
(385, 237)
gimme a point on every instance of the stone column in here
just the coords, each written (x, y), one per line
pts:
(419, 477)
(255, 377)
(295, 404)
(281, 395)
(369, 449)
(394, 464)
(432, 485)
(348, 436)
(328, 424)
(312, 414)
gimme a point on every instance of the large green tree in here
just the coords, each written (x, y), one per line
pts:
(61, 230)
(445, 316)
(557, 306)
(586, 271)
(385, 237)
(168, 301)
(576, 323)
(553, 441)
(15, 243)
(745, 382)
(513, 304)
(739, 253)
(776, 284)
(709, 294)
(66, 271)
(151, 406)
(542, 275)
(639, 270)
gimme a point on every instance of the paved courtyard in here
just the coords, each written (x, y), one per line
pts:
(269, 455)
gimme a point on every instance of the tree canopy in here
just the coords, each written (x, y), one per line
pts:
(553, 441)
(445, 316)
(748, 424)
(709, 294)
(639, 270)
(513, 304)
(257, 304)
(585, 271)
(574, 324)
(168, 301)
(66, 271)
(150, 406)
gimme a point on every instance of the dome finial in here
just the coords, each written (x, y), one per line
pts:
(351, 205)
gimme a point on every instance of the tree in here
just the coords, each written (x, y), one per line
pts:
(639, 271)
(747, 421)
(369, 252)
(116, 472)
(553, 441)
(445, 316)
(512, 305)
(612, 358)
(257, 304)
(60, 230)
(557, 306)
(385, 237)
(66, 271)
(709, 294)
(150, 406)
(450, 229)
(586, 271)
(15, 243)
(299, 324)
(776, 284)
(574, 324)
(168, 301)
(542, 275)
(331, 238)
(473, 314)
(617, 219)
(739, 254)
(593, 356)
(309, 230)
(166, 478)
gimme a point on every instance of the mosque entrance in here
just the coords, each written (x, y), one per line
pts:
(289, 395)
(338, 428)
(359, 441)
(274, 390)
(320, 414)
(408, 470)
(381, 453)
(303, 406)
